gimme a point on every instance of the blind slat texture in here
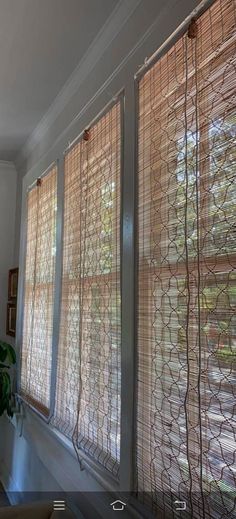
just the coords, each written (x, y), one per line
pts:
(88, 374)
(36, 353)
(186, 274)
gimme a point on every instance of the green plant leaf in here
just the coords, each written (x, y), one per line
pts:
(7, 358)
(7, 353)
(6, 384)
(3, 353)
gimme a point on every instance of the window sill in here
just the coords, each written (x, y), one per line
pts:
(58, 456)
(32, 419)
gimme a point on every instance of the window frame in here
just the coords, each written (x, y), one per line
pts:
(148, 64)
(28, 400)
(94, 466)
(119, 99)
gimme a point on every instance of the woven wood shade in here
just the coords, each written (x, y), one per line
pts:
(187, 280)
(36, 352)
(87, 405)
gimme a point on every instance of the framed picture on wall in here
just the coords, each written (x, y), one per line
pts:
(11, 319)
(12, 284)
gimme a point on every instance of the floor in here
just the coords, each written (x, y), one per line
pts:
(3, 497)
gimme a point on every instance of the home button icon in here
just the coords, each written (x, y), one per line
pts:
(118, 506)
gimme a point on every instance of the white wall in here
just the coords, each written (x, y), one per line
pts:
(8, 180)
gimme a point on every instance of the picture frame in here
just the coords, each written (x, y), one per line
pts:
(11, 319)
(12, 284)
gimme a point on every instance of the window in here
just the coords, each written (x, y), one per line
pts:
(185, 344)
(39, 279)
(187, 280)
(87, 407)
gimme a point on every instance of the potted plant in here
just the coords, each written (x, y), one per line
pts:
(7, 359)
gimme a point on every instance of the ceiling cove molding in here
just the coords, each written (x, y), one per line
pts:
(113, 25)
(6, 164)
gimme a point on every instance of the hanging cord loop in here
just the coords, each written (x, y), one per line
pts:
(30, 356)
(83, 196)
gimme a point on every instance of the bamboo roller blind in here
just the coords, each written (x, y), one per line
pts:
(88, 374)
(187, 280)
(36, 352)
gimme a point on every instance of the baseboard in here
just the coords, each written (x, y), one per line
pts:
(15, 496)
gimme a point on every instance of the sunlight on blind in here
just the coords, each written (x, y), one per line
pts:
(186, 380)
(36, 352)
(88, 375)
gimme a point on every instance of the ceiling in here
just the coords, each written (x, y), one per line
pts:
(41, 43)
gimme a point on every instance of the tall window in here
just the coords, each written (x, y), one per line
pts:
(87, 407)
(187, 278)
(36, 354)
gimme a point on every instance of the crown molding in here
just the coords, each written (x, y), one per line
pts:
(109, 31)
(7, 164)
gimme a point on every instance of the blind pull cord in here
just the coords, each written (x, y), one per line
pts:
(86, 137)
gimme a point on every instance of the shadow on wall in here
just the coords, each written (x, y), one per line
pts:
(20, 468)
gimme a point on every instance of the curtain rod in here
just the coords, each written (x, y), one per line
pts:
(174, 37)
(102, 112)
(46, 171)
